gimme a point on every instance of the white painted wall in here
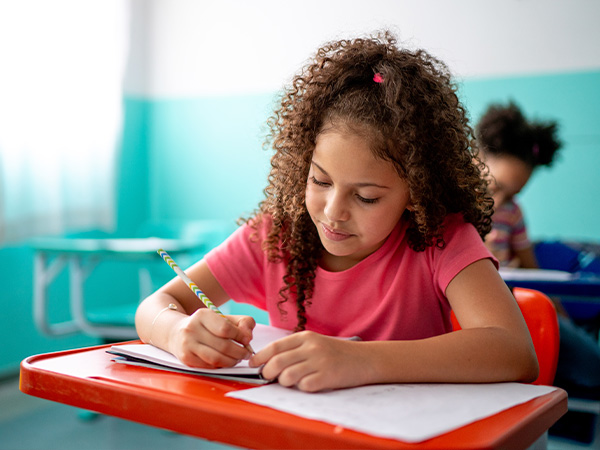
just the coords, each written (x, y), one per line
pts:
(183, 48)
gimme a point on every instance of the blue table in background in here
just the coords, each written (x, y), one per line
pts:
(554, 282)
(80, 257)
(579, 292)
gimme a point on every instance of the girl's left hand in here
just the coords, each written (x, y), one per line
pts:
(313, 362)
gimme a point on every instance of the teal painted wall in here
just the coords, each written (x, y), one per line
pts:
(206, 157)
(132, 200)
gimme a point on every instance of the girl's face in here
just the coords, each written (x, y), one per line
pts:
(354, 199)
(509, 174)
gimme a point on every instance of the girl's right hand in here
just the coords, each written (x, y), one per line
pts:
(206, 339)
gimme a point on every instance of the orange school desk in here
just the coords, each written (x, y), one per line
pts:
(197, 406)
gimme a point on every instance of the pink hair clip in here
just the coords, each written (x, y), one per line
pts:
(377, 78)
(535, 150)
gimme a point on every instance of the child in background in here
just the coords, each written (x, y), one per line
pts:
(372, 226)
(513, 147)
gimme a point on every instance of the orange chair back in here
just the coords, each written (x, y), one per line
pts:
(540, 316)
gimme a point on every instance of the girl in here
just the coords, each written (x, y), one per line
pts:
(512, 148)
(372, 226)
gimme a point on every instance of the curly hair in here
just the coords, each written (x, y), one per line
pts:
(411, 116)
(504, 130)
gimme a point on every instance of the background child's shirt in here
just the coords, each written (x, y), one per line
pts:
(508, 234)
(393, 294)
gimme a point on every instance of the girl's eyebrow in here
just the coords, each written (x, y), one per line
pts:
(366, 184)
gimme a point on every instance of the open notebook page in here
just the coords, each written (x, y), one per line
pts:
(262, 336)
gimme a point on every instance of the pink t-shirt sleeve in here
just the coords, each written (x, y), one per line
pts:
(238, 265)
(457, 256)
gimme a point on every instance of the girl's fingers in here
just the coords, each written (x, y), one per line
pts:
(278, 355)
(217, 324)
(294, 374)
(270, 351)
(236, 328)
(205, 356)
(310, 362)
(225, 346)
(245, 325)
(210, 337)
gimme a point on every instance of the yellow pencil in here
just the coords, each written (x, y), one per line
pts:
(195, 289)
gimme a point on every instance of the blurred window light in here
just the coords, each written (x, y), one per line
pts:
(61, 72)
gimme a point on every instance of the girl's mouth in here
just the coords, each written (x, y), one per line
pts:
(333, 234)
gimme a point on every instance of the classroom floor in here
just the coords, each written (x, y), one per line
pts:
(30, 423)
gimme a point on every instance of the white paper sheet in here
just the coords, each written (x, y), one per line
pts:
(407, 412)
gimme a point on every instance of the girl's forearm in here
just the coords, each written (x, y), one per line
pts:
(154, 318)
(474, 355)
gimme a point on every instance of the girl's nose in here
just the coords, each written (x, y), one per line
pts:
(335, 208)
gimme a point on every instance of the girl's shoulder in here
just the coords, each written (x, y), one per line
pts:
(461, 236)
(259, 224)
(462, 240)
(245, 243)
(455, 223)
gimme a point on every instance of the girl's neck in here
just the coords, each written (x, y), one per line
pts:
(333, 263)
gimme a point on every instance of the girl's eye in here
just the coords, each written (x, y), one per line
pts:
(360, 198)
(367, 200)
(317, 182)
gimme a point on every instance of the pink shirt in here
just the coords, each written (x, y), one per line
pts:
(393, 294)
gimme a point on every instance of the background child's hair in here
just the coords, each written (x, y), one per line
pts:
(405, 105)
(504, 130)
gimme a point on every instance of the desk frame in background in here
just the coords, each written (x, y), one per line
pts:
(197, 406)
(81, 256)
(550, 282)
(579, 290)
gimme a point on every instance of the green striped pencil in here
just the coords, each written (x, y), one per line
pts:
(195, 289)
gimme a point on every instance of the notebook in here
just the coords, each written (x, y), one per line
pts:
(147, 355)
